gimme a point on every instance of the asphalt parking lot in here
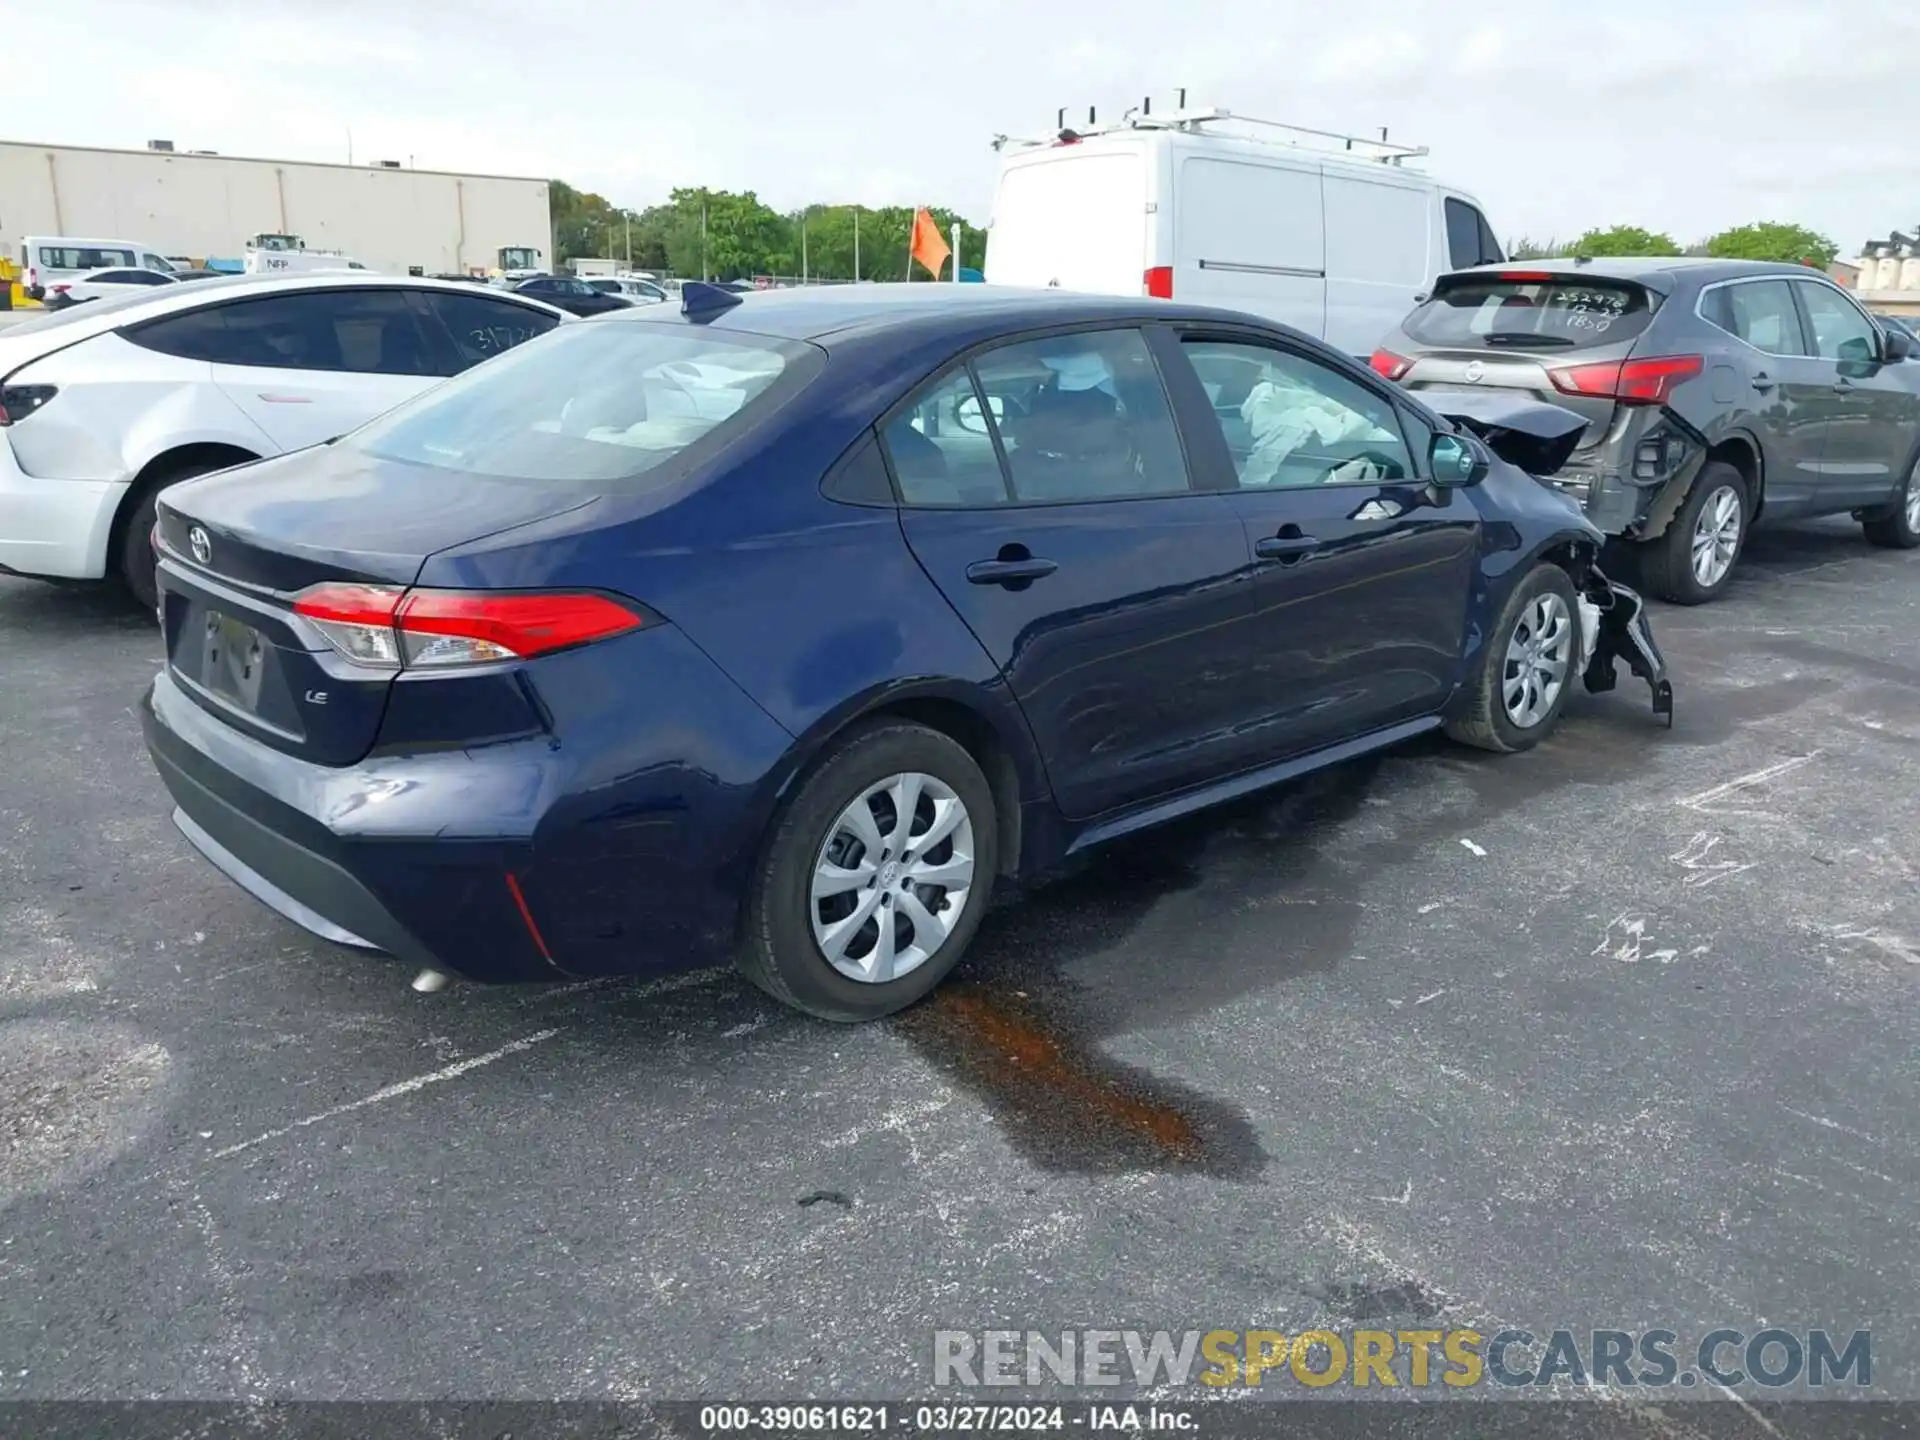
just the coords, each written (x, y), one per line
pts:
(1619, 1033)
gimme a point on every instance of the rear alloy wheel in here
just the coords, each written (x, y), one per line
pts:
(1693, 561)
(133, 560)
(1898, 526)
(1526, 672)
(876, 876)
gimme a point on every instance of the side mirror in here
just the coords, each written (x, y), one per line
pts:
(1455, 460)
(966, 414)
(1899, 345)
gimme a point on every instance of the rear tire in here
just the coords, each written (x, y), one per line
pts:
(1898, 526)
(1694, 560)
(1528, 667)
(821, 890)
(133, 559)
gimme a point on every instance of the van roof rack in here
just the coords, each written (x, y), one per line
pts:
(1195, 121)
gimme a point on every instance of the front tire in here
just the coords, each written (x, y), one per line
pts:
(1693, 561)
(1898, 526)
(876, 876)
(1527, 670)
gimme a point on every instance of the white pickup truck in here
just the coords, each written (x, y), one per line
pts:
(289, 255)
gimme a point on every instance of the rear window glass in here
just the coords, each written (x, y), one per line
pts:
(593, 403)
(1563, 313)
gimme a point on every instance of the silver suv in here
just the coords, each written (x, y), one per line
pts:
(1716, 393)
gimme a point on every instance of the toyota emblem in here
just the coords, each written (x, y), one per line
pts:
(1474, 372)
(201, 546)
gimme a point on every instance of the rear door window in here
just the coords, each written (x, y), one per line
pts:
(482, 328)
(366, 332)
(1530, 311)
(1760, 312)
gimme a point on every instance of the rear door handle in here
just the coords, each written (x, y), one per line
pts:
(1285, 548)
(1763, 382)
(1009, 572)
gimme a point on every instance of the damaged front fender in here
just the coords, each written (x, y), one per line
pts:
(1616, 629)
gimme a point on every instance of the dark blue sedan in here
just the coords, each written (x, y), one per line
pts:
(780, 626)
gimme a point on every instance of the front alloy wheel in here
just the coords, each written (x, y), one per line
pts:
(1539, 655)
(892, 878)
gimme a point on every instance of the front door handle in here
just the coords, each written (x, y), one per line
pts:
(1010, 572)
(1763, 382)
(1285, 548)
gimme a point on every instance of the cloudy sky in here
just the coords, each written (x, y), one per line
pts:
(1685, 115)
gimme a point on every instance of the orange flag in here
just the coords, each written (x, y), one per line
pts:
(927, 247)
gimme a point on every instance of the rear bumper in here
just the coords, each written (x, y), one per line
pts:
(1632, 485)
(54, 528)
(263, 819)
(624, 849)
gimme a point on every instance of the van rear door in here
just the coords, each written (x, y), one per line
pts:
(1249, 235)
(1073, 218)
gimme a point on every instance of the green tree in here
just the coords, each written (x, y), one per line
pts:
(1773, 240)
(583, 223)
(1624, 240)
(727, 235)
(1527, 248)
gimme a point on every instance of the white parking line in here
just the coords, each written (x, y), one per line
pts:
(392, 1092)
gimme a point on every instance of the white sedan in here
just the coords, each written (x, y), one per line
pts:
(103, 405)
(98, 284)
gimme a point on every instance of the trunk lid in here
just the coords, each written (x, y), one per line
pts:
(267, 531)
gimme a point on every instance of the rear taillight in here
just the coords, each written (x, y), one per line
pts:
(385, 628)
(1159, 282)
(1524, 277)
(19, 401)
(1631, 382)
(32, 277)
(1393, 366)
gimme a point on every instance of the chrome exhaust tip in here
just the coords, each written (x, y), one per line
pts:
(429, 981)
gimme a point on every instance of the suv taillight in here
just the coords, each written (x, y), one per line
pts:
(1631, 382)
(385, 628)
(1386, 363)
(19, 401)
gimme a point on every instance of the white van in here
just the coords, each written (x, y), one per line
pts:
(47, 258)
(1331, 234)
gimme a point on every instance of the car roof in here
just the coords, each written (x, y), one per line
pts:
(819, 312)
(1664, 272)
(97, 317)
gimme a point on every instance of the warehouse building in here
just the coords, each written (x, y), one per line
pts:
(389, 217)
